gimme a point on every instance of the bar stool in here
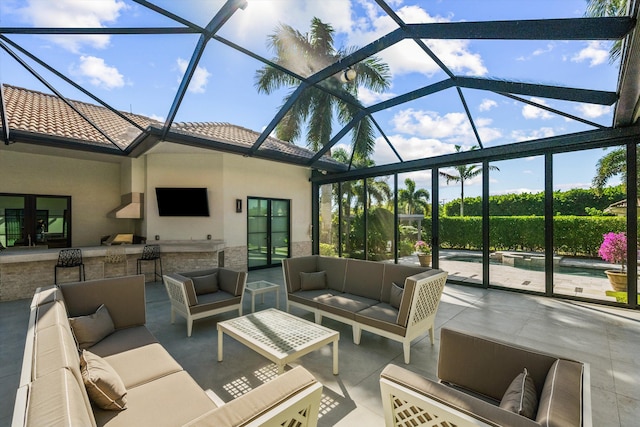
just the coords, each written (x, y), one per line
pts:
(68, 258)
(150, 253)
(115, 255)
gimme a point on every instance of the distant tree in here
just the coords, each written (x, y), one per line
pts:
(464, 173)
(603, 8)
(413, 200)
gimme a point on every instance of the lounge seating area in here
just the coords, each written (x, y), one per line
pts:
(123, 376)
(394, 301)
(353, 397)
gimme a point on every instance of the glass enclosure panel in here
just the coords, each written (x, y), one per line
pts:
(279, 230)
(353, 219)
(585, 209)
(414, 217)
(516, 224)
(380, 225)
(329, 219)
(460, 226)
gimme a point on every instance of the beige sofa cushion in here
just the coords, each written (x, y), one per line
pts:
(123, 340)
(220, 299)
(521, 396)
(258, 401)
(51, 313)
(382, 316)
(185, 400)
(310, 298)
(91, 329)
(57, 399)
(231, 281)
(336, 269)
(125, 299)
(292, 267)
(205, 284)
(561, 397)
(395, 298)
(397, 273)
(313, 281)
(364, 278)
(47, 294)
(103, 384)
(472, 406)
(134, 368)
(345, 305)
(490, 365)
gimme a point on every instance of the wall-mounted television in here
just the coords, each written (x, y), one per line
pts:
(182, 201)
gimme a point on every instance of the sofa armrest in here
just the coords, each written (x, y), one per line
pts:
(292, 396)
(124, 297)
(409, 396)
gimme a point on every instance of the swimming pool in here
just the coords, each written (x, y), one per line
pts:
(561, 269)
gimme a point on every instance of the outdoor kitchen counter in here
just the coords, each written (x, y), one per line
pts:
(23, 270)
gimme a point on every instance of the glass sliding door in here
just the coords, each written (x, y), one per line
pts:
(268, 232)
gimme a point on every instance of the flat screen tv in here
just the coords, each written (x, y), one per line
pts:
(182, 201)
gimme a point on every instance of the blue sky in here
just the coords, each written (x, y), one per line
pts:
(141, 73)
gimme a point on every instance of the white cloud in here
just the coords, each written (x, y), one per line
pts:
(542, 51)
(451, 127)
(530, 112)
(596, 53)
(593, 110)
(487, 104)
(99, 73)
(410, 148)
(368, 97)
(199, 79)
(522, 135)
(73, 13)
(407, 57)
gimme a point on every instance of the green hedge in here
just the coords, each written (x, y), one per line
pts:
(571, 202)
(575, 235)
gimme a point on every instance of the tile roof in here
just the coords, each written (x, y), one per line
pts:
(48, 115)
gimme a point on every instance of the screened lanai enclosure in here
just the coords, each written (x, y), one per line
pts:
(504, 136)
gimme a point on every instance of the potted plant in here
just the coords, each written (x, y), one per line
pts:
(424, 253)
(614, 250)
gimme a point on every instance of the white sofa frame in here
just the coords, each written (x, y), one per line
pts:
(424, 306)
(179, 303)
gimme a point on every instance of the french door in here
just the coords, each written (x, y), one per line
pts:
(268, 231)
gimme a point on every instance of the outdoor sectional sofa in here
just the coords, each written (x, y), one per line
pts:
(61, 387)
(395, 301)
(487, 382)
(204, 293)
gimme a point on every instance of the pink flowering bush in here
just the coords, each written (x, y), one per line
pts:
(422, 247)
(614, 248)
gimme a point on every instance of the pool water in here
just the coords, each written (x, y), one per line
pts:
(562, 269)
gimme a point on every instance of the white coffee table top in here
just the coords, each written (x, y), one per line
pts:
(278, 336)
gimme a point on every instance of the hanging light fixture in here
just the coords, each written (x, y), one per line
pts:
(348, 75)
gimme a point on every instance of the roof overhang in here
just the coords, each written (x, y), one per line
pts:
(627, 110)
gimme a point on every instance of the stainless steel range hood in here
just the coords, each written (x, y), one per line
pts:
(131, 207)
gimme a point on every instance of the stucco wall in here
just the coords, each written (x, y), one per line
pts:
(247, 177)
(94, 188)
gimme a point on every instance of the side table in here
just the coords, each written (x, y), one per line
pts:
(261, 287)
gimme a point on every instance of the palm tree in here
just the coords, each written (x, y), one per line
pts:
(306, 54)
(413, 200)
(464, 173)
(612, 164)
(602, 8)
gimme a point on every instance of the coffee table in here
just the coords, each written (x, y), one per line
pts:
(278, 336)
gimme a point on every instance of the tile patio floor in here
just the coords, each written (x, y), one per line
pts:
(607, 338)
